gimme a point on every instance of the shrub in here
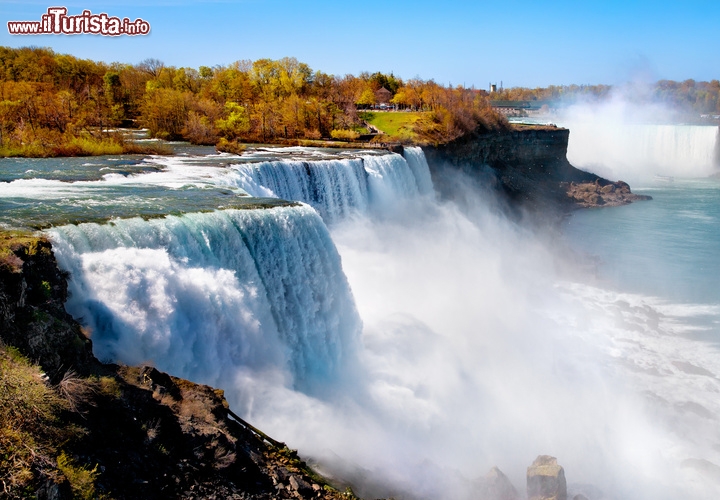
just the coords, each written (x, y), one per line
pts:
(77, 391)
(226, 146)
(344, 135)
(30, 427)
(81, 478)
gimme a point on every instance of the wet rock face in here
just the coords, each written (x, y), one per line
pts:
(546, 480)
(32, 306)
(530, 167)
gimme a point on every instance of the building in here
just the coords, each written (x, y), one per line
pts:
(383, 96)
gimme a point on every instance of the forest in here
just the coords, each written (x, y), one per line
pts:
(57, 104)
(687, 96)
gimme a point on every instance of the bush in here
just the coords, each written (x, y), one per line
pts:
(344, 135)
(226, 146)
(81, 478)
(30, 427)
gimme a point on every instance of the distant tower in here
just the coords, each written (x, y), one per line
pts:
(493, 87)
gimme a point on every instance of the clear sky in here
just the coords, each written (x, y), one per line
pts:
(526, 43)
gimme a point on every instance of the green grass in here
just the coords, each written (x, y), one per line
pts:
(398, 125)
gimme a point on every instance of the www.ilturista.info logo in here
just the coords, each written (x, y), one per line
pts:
(57, 22)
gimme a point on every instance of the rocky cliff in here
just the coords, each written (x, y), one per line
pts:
(529, 165)
(71, 427)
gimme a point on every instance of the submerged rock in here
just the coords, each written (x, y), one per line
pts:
(546, 480)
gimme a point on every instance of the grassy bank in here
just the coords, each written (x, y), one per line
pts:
(80, 146)
(397, 125)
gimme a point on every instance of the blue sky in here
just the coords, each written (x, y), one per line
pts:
(519, 42)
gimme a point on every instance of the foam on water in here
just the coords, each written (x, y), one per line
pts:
(204, 295)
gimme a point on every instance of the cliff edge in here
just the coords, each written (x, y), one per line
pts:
(529, 165)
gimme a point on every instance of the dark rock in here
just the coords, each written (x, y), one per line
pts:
(33, 292)
(546, 480)
(298, 484)
(52, 490)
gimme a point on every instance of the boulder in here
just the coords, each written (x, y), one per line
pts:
(546, 480)
(497, 486)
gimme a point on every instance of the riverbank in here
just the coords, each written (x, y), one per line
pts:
(72, 146)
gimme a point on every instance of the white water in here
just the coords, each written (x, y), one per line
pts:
(206, 295)
(474, 351)
(620, 140)
(638, 152)
(338, 188)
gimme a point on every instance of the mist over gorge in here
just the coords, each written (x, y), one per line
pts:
(405, 341)
(458, 250)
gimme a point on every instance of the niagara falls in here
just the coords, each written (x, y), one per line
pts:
(383, 251)
(405, 341)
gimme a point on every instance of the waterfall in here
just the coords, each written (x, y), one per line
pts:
(419, 166)
(338, 187)
(639, 151)
(203, 295)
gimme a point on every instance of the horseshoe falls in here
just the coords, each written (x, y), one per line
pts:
(620, 140)
(403, 343)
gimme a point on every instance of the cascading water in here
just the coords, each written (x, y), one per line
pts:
(636, 150)
(333, 187)
(472, 353)
(419, 166)
(338, 188)
(202, 295)
(621, 140)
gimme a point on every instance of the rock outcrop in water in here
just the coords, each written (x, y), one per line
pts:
(127, 432)
(602, 193)
(530, 166)
(546, 480)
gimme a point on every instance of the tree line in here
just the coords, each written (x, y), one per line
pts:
(686, 96)
(47, 98)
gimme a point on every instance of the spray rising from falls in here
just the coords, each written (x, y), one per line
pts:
(621, 141)
(641, 151)
(202, 295)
